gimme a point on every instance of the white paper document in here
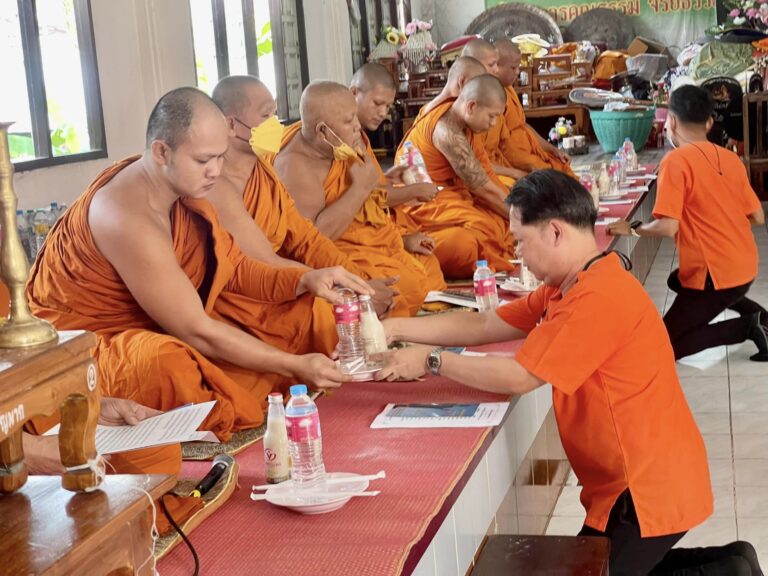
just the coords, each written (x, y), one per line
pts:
(441, 415)
(455, 299)
(174, 426)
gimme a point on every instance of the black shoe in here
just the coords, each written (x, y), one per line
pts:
(758, 333)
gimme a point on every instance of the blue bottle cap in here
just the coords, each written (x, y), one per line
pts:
(481, 263)
(298, 389)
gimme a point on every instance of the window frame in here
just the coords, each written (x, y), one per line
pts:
(38, 107)
(218, 11)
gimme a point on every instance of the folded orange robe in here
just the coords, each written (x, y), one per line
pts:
(373, 242)
(522, 147)
(74, 286)
(484, 234)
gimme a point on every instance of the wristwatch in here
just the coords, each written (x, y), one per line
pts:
(434, 361)
(633, 228)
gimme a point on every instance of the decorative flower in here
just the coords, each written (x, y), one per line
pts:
(739, 20)
(393, 37)
(735, 13)
(417, 26)
(751, 13)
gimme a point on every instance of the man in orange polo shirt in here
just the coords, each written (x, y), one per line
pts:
(595, 335)
(706, 202)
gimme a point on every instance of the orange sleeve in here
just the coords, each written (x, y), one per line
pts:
(674, 180)
(525, 313)
(577, 338)
(265, 283)
(749, 198)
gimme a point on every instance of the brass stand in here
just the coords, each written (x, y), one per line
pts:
(21, 328)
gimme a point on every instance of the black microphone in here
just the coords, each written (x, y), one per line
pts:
(220, 465)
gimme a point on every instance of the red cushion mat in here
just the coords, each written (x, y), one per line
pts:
(369, 536)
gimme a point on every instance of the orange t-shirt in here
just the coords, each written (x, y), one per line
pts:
(621, 412)
(706, 188)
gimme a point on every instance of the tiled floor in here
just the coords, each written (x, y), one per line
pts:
(728, 395)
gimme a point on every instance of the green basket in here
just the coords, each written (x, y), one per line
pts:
(612, 128)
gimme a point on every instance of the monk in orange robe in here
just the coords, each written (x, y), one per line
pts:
(252, 202)
(450, 138)
(180, 314)
(374, 90)
(326, 165)
(516, 145)
(5, 301)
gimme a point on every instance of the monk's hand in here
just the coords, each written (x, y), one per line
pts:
(405, 364)
(118, 411)
(619, 228)
(384, 295)
(319, 372)
(562, 155)
(395, 174)
(419, 243)
(421, 192)
(364, 175)
(323, 283)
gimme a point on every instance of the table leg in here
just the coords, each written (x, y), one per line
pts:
(77, 441)
(13, 470)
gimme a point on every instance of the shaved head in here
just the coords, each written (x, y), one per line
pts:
(372, 75)
(235, 94)
(332, 104)
(486, 90)
(484, 52)
(465, 67)
(509, 61)
(172, 116)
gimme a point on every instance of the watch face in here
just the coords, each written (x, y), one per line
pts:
(433, 361)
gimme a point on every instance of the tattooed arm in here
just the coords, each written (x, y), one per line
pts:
(449, 138)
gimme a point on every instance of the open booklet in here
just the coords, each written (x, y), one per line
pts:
(441, 415)
(172, 427)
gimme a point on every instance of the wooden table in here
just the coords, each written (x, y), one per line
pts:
(47, 530)
(39, 381)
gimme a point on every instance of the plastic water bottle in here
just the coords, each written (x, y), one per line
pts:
(351, 345)
(485, 287)
(21, 225)
(630, 156)
(417, 168)
(277, 461)
(29, 217)
(43, 222)
(55, 213)
(304, 439)
(373, 333)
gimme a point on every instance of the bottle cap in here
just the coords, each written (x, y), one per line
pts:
(298, 389)
(364, 298)
(275, 398)
(482, 263)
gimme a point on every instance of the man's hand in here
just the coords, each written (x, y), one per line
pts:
(118, 411)
(364, 174)
(395, 174)
(384, 296)
(319, 372)
(419, 243)
(619, 228)
(405, 364)
(323, 283)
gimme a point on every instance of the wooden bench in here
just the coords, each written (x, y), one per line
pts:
(543, 556)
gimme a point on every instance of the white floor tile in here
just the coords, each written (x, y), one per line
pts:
(749, 394)
(564, 525)
(713, 422)
(752, 502)
(706, 393)
(721, 472)
(749, 423)
(725, 506)
(568, 504)
(751, 472)
(713, 532)
(718, 445)
(750, 446)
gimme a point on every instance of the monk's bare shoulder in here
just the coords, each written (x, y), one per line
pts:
(450, 139)
(303, 178)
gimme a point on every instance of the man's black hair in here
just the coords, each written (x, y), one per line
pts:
(171, 117)
(691, 104)
(545, 195)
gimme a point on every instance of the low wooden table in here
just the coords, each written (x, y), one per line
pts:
(47, 530)
(41, 380)
(543, 556)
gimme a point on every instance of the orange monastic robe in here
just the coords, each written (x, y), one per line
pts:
(373, 242)
(495, 138)
(455, 207)
(74, 286)
(522, 148)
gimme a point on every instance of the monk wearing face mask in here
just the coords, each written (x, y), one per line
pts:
(337, 184)
(252, 202)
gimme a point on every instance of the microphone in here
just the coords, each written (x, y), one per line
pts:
(220, 465)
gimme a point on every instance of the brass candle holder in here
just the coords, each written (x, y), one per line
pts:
(20, 329)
